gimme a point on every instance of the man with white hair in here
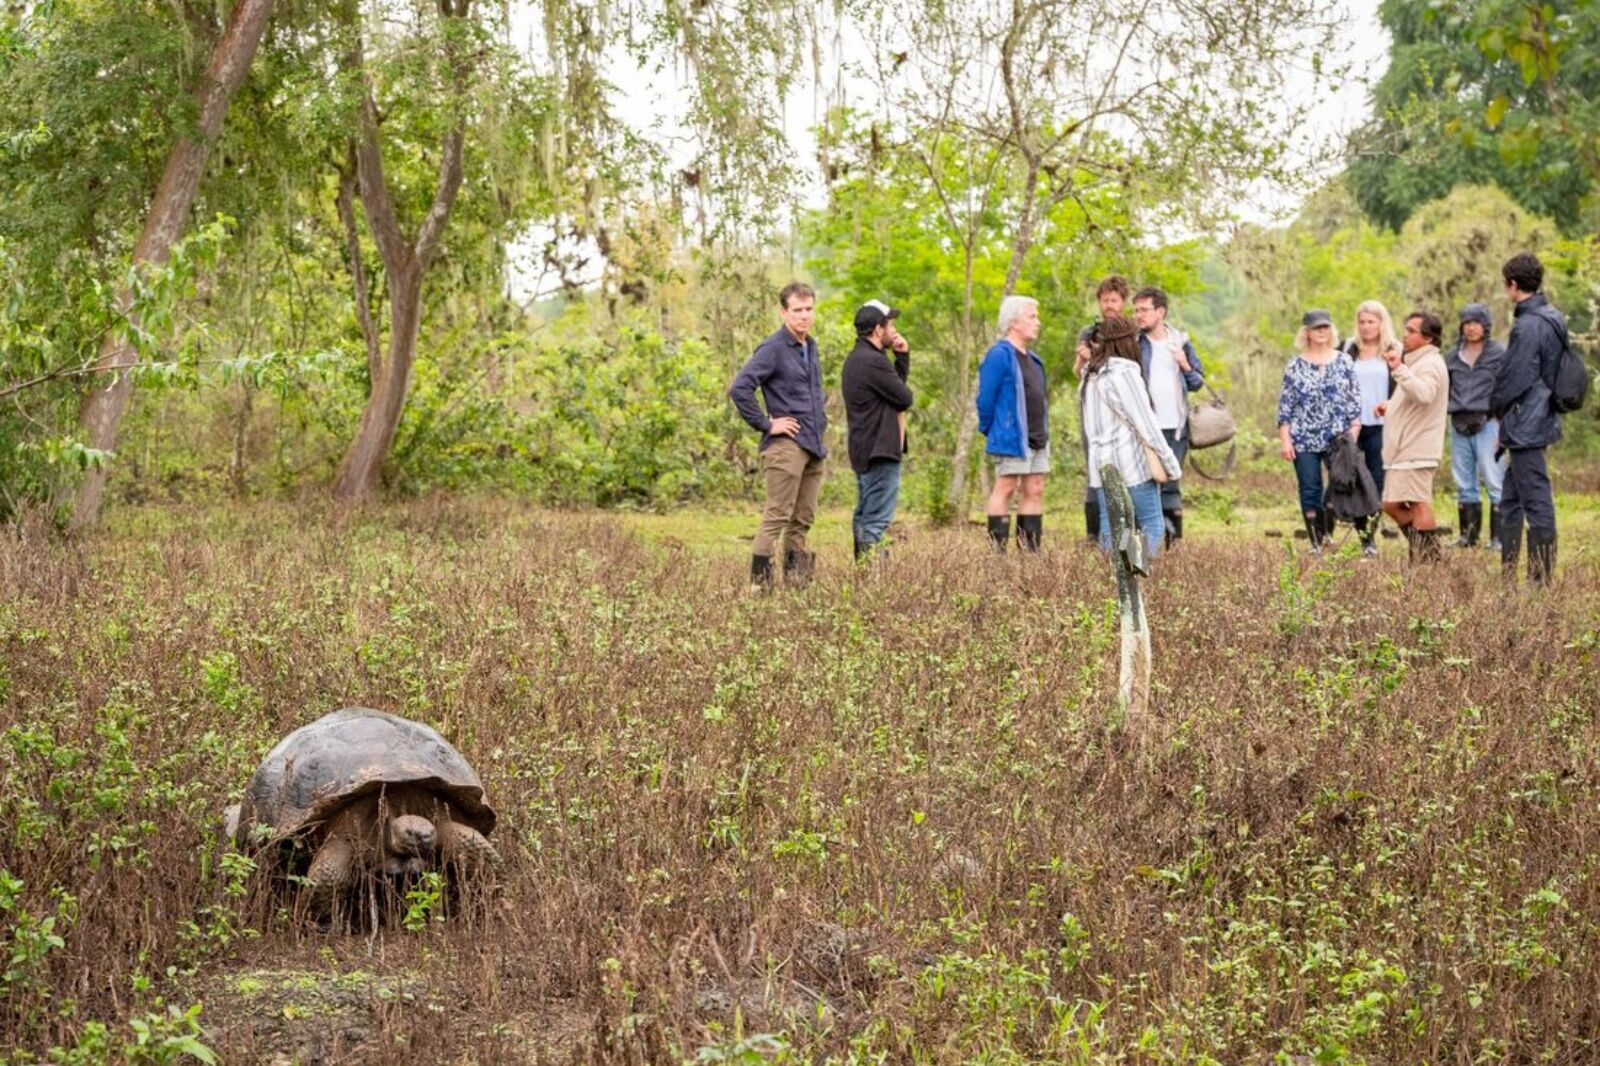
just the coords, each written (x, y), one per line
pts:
(1014, 418)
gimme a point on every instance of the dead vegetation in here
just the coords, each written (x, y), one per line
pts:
(887, 818)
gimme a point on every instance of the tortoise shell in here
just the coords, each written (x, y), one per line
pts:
(351, 753)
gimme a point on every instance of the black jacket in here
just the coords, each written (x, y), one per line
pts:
(1471, 387)
(1352, 494)
(875, 393)
(1522, 393)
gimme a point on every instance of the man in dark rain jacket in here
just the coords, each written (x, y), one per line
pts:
(1523, 401)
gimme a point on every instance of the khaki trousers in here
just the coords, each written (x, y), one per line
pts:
(794, 477)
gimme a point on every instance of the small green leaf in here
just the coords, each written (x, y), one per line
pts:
(1495, 113)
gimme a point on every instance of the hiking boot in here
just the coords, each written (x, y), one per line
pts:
(798, 566)
(760, 572)
(1425, 546)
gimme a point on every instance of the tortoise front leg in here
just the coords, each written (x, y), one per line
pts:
(332, 870)
(469, 848)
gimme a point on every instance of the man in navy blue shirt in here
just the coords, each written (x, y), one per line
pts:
(786, 369)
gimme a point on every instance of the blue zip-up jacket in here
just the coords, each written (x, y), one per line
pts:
(1002, 407)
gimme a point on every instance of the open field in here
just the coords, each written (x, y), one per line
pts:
(890, 817)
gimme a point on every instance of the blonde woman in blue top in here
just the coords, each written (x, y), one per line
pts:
(1319, 400)
(1373, 339)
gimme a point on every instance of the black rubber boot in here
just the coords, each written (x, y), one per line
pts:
(1510, 548)
(1173, 520)
(1091, 520)
(1470, 517)
(860, 551)
(1030, 530)
(1541, 556)
(1425, 546)
(761, 571)
(1494, 527)
(1314, 530)
(999, 531)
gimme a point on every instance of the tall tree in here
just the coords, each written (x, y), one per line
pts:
(105, 405)
(405, 259)
(1178, 104)
(1492, 92)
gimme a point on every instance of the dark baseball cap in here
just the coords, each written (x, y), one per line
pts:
(1315, 318)
(872, 314)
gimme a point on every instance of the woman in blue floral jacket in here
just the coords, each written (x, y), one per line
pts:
(1319, 401)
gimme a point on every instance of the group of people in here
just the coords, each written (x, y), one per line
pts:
(1373, 412)
(1380, 408)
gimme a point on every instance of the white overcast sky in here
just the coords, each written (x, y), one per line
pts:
(654, 100)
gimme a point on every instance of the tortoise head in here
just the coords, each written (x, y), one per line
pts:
(411, 834)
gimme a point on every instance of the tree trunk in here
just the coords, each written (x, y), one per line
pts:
(105, 405)
(966, 394)
(406, 265)
(363, 461)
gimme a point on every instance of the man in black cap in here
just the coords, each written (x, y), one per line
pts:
(876, 399)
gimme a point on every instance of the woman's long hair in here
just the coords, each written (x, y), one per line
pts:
(1386, 334)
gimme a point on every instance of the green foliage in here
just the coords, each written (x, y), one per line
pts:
(424, 902)
(754, 1050)
(1502, 93)
(1456, 245)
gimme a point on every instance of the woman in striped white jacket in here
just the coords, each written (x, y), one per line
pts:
(1119, 422)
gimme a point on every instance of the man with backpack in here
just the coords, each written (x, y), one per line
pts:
(1531, 391)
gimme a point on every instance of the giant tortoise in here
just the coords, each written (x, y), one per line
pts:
(368, 792)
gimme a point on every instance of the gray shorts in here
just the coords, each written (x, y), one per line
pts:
(1035, 462)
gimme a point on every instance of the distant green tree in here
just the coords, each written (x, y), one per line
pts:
(1502, 92)
(1456, 245)
(923, 225)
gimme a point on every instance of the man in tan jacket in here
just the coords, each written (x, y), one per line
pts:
(1413, 433)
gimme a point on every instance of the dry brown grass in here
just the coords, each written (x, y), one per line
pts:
(886, 817)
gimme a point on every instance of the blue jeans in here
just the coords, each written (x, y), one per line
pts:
(1473, 457)
(877, 492)
(1146, 513)
(1308, 475)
